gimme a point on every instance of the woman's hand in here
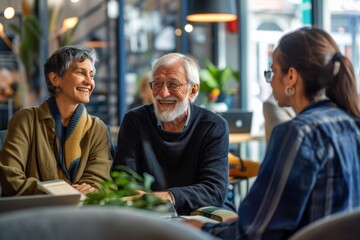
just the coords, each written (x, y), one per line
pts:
(84, 188)
(194, 223)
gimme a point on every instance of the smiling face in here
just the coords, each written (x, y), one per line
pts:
(170, 105)
(77, 83)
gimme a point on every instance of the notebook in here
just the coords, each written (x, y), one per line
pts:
(8, 204)
(59, 187)
(239, 121)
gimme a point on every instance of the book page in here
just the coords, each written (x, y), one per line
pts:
(59, 187)
(200, 218)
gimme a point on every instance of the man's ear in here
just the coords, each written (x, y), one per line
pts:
(193, 91)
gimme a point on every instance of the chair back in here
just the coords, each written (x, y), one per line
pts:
(334, 227)
(3, 134)
(93, 223)
(240, 168)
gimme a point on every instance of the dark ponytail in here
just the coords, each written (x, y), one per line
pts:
(316, 56)
(342, 89)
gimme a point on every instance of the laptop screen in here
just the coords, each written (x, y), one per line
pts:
(8, 204)
(239, 121)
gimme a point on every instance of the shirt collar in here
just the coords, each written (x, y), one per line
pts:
(318, 103)
(186, 123)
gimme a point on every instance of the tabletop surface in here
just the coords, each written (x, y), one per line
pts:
(245, 137)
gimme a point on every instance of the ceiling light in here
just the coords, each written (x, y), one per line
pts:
(211, 11)
(9, 12)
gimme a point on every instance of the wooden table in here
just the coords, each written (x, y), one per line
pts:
(233, 137)
(240, 140)
(244, 137)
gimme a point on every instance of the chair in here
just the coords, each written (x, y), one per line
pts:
(334, 227)
(6, 111)
(241, 170)
(93, 223)
(3, 134)
(113, 143)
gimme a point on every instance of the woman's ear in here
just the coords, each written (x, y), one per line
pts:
(293, 76)
(53, 78)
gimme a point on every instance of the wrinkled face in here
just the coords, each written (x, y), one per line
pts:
(170, 104)
(77, 83)
(278, 82)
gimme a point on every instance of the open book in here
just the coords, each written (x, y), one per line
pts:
(215, 213)
(59, 187)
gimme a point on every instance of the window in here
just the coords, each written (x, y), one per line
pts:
(342, 20)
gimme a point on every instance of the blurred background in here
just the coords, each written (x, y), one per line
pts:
(130, 34)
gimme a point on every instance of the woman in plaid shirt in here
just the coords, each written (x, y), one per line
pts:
(312, 165)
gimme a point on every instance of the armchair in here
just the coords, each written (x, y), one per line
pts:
(93, 223)
(336, 226)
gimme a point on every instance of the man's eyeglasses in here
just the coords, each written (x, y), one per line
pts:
(171, 86)
(269, 74)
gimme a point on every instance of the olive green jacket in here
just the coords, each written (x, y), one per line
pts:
(28, 155)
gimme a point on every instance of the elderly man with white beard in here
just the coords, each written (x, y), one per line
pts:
(183, 146)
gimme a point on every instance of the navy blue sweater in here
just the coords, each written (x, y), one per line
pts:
(192, 164)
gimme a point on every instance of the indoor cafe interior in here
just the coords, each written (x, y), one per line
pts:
(232, 40)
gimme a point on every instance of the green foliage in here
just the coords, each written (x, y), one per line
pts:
(66, 38)
(30, 43)
(29, 46)
(122, 191)
(213, 78)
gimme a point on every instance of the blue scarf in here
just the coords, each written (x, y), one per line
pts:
(67, 146)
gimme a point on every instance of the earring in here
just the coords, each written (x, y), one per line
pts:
(289, 91)
(57, 89)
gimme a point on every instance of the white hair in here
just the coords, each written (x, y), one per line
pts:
(190, 65)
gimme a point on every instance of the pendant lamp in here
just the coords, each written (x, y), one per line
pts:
(211, 11)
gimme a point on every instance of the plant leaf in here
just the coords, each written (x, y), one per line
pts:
(148, 180)
(213, 77)
(125, 193)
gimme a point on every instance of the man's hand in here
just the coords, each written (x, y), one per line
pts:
(165, 196)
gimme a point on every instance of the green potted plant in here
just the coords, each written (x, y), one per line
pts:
(29, 46)
(218, 83)
(123, 191)
(29, 32)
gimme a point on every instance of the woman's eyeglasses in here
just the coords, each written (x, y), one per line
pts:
(269, 74)
(171, 86)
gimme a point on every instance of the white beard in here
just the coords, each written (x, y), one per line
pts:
(169, 116)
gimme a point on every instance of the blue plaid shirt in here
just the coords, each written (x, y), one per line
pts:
(311, 169)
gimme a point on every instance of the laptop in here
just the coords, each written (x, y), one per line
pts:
(239, 120)
(8, 204)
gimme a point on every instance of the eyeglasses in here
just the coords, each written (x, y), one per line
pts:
(171, 86)
(269, 74)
